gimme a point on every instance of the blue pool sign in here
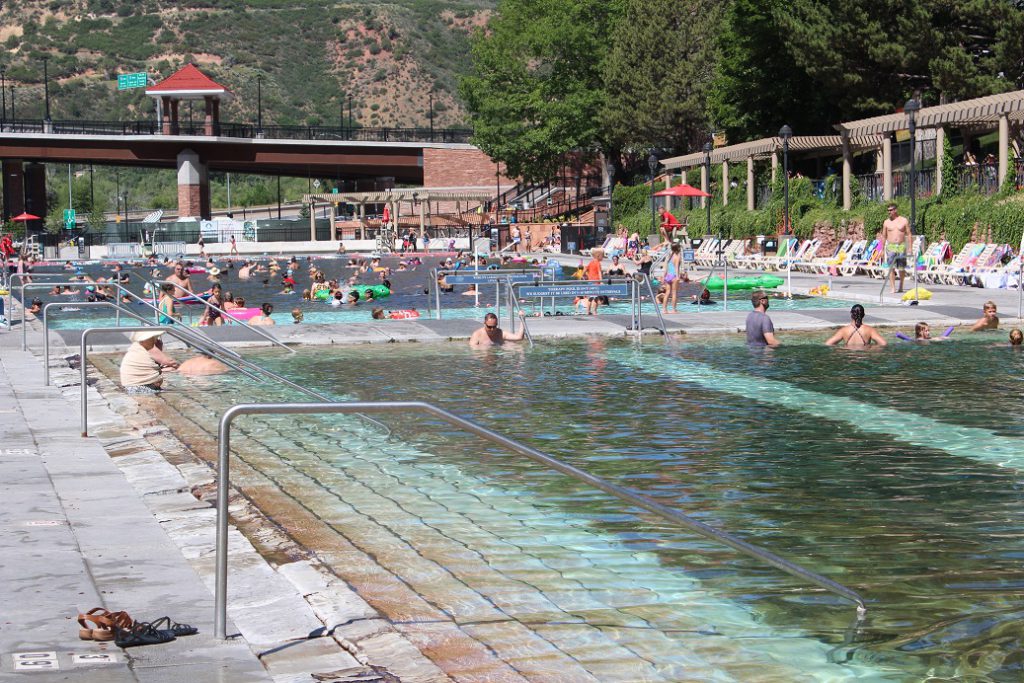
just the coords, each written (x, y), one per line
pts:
(576, 290)
(488, 279)
(688, 256)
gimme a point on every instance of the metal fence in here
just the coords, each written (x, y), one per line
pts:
(245, 130)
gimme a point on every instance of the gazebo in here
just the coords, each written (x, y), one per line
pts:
(189, 83)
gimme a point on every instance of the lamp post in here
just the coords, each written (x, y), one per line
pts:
(46, 87)
(652, 166)
(707, 201)
(611, 198)
(431, 96)
(3, 96)
(911, 108)
(785, 133)
(259, 105)
(12, 104)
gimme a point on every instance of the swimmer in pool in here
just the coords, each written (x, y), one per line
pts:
(856, 335)
(1016, 337)
(492, 335)
(922, 332)
(989, 319)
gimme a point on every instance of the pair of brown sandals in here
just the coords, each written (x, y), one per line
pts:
(102, 625)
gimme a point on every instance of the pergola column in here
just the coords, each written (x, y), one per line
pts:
(775, 165)
(1004, 147)
(165, 115)
(940, 142)
(668, 184)
(333, 214)
(750, 183)
(362, 220)
(312, 221)
(847, 168)
(887, 168)
(725, 183)
(705, 181)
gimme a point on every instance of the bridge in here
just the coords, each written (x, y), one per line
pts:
(421, 157)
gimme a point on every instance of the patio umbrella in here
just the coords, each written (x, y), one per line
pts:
(683, 190)
(24, 217)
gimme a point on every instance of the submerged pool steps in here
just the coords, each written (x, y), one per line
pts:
(479, 557)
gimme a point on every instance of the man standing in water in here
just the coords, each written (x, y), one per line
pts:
(896, 237)
(181, 281)
(760, 330)
(492, 335)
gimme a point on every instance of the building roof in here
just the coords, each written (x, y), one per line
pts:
(188, 83)
(423, 194)
(968, 113)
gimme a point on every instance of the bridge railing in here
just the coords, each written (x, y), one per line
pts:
(243, 130)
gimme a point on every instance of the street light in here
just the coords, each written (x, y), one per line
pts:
(259, 105)
(652, 165)
(46, 87)
(611, 197)
(911, 108)
(3, 96)
(707, 200)
(785, 133)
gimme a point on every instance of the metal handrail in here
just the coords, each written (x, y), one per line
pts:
(21, 280)
(663, 511)
(266, 335)
(174, 330)
(188, 335)
(654, 300)
(514, 306)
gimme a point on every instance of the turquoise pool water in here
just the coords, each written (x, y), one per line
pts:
(895, 472)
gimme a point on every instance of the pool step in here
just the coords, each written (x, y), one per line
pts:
(622, 624)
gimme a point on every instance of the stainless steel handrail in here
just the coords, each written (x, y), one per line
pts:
(654, 300)
(173, 330)
(195, 338)
(201, 342)
(663, 511)
(266, 335)
(21, 280)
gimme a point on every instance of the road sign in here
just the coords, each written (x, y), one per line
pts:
(129, 81)
(576, 290)
(316, 184)
(69, 218)
(334, 190)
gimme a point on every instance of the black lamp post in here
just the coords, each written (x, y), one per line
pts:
(785, 133)
(259, 105)
(431, 97)
(911, 108)
(12, 103)
(611, 197)
(3, 96)
(652, 166)
(46, 87)
(707, 200)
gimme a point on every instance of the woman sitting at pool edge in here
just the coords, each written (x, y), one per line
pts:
(856, 335)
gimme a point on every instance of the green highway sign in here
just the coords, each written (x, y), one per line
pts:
(69, 218)
(129, 81)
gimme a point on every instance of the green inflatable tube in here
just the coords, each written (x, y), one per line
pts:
(746, 282)
(379, 291)
(322, 294)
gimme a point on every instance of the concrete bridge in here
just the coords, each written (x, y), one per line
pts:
(406, 156)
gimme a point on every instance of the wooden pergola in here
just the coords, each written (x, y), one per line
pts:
(418, 198)
(978, 115)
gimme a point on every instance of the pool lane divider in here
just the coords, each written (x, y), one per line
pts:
(917, 430)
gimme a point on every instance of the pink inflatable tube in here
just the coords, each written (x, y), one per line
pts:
(243, 313)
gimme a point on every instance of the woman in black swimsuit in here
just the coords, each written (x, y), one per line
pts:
(856, 335)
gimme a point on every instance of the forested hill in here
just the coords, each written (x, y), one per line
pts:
(311, 54)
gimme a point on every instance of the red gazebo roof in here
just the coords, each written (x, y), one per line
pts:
(189, 83)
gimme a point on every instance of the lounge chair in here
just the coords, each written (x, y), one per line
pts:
(868, 255)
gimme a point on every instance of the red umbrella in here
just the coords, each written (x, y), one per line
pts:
(24, 217)
(683, 190)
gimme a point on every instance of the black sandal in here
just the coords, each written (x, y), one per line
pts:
(141, 633)
(167, 626)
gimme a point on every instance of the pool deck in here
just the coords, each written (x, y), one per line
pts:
(108, 521)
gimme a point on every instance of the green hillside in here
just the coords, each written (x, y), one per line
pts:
(311, 54)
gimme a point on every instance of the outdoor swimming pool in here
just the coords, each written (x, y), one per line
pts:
(895, 472)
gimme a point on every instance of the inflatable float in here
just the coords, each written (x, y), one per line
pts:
(243, 314)
(379, 291)
(404, 315)
(746, 282)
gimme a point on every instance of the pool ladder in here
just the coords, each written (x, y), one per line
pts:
(404, 407)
